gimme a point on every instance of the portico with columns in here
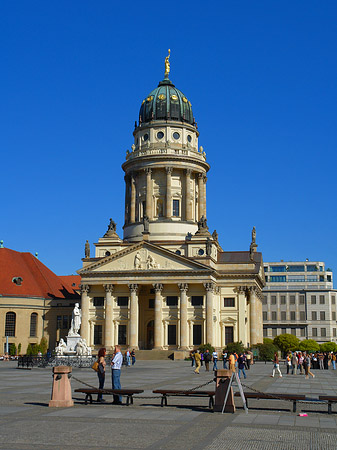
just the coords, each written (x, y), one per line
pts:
(168, 283)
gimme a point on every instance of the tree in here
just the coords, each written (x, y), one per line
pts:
(268, 341)
(43, 345)
(287, 342)
(19, 349)
(328, 347)
(204, 347)
(29, 351)
(12, 350)
(235, 347)
(308, 345)
(266, 351)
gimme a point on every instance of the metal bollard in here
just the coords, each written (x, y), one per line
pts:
(223, 377)
(61, 391)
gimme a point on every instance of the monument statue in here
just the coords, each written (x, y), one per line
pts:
(137, 261)
(82, 348)
(208, 247)
(60, 349)
(202, 224)
(146, 223)
(215, 236)
(253, 236)
(75, 321)
(111, 228)
(167, 64)
(87, 249)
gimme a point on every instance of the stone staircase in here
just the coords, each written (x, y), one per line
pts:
(153, 355)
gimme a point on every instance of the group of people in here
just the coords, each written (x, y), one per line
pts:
(231, 361)
(116, 366)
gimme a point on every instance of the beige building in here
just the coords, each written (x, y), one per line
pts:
(168, 283)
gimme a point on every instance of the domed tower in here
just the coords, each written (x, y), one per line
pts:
(165, 173)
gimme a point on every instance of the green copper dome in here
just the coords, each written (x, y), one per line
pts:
(166, 102)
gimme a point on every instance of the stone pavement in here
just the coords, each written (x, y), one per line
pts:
(26, 422)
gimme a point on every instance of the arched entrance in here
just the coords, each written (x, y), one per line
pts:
(150, 335)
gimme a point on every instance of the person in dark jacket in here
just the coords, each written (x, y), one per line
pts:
(241, 365)
(207, 359)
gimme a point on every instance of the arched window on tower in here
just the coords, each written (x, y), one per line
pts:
(10, 324)
(33, 324)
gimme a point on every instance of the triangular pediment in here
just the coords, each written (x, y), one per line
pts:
(144, 257)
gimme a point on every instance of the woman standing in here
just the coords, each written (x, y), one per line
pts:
(276, 366)
(101, 372)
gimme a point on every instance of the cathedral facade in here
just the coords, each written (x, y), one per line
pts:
(168, 284)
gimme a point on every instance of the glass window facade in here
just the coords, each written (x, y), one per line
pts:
(295, 268)
(312, 278)
(296, 278)
(278, 269)
(278, 279)
(312, 268)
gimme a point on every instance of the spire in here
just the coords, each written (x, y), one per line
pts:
(167, 64)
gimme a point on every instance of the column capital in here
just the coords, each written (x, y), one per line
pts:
(158, 287)
(108, 288)
(240, 289)
(252, 290)
(84, 288)
(169, 170)
(183, 286)
(209, 287)
(188, 172)
(148, 171)
(204, 178)
(200, 175)
(133, 287)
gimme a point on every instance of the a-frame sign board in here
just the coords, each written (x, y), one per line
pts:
(236, 377)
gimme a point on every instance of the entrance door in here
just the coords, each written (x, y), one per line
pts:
(150, 335)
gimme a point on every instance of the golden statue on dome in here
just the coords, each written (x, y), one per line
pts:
(167, 64)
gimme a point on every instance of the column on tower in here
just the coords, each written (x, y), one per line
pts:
(200, 195)
(168, 192)
(148, 193)
(254, 316)
(183, 315)
(158, 316)
(188, 194)
(209, 312)
(133, 199)
(85, 288)
(108, 329)
(127, 200)
(204, 179)
(241, 291)
(133, 333)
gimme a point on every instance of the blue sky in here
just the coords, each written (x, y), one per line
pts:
(261, 76)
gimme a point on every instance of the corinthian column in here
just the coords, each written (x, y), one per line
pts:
(183, 316)
(126, 214)
(85, 288)
(200, 195)
(242, 336)
(108, 333)
(133, 200)
(204, 179)
(169, 192)
(158, 326)
(133, 333)
(148, 194)
(188, 213)
(209, 312)
(255, 320)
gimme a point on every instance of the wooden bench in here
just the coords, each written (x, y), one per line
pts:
(175, 393)
(126, 392)
(330, 399)
(261, 396)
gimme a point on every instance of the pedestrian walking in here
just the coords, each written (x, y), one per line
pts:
(241, 365)
(224, 359)
(197, 358)
(101, 372)
(133, 356)
(207, 359)
(215, 360)
(276, 366)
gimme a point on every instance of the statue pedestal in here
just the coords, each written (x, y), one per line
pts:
(72, 341)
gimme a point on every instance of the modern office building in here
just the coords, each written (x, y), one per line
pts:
(299, 299)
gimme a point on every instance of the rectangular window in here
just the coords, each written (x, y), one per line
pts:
(328, 278)
(302, 315)
(321, 300)
(292, 299)
(283, 330)
(293, 331)
(229, 335)
(123, 302)
(266, 279)
(122, 334)
(333, 300)
(302, 332)
(283, 299)
(292, 315)
(283, 315)
(274, 332)
(273, 315)
(151, 303)
(266, 268)
(295, 268)
(65, 323)
(277, 268)
(229, 302)
(171, 300)
(58, 322)
(334, 332)
(172, 334)
(302, 299)
(265, 299)
(98, 301)
(97, 334)
(296, 278)
(314, 332)
(278, 279)
(197, 334)
(176, 208)
(313, 299)
(314, 315)
(10, 324)
(321, 278)
(264, 332)
(273, 299)
(264, 315)
(33, 323)
(323, 332)
(312, 278)
(311, 268)
(333, 315)
(322, 315)
(197, 300)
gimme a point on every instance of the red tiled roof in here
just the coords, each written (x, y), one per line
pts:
(37, 279)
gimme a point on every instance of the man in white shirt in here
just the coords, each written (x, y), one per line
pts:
(116, 366)
(215, 360)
